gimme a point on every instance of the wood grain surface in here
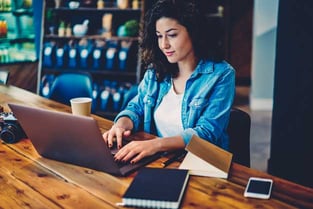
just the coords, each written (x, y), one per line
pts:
(28, 180)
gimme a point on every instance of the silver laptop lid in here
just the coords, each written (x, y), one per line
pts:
(65, 137)
(72, 139)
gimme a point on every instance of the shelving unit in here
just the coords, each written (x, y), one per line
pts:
(16, 32)
(105, 51)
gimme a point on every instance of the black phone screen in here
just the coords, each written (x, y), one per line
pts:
(262, 187)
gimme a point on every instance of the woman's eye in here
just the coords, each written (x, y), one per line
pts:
(159, 36)
(172, 35)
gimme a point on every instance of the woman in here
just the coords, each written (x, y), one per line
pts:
(187, 88)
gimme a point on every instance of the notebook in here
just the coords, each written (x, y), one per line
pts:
(71, 139)
(206, 159)
(156, 188)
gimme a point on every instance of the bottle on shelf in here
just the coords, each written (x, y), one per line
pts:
(57, 3)
(68, 30)
(98, 55)
(107, 25)
(3, 28)
(100, 4)
(48, 54)
(46, 83)
(72, 55)
(111, 56)
(61, 29)
(117, 98)
(123, 54)
(135, 4)
(4, 55)
(84, 57)
(95, 95)
(104, 99)
(60, 56)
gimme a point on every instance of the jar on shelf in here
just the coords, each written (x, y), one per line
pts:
(100, 4)
(3, 28)
(135, 4)
(28, 4)
(5, 5)
(57, 3)
(122, 4)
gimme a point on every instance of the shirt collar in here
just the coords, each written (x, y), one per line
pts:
(204, 67)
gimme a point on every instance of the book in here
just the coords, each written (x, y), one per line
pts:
(156, 188)
(206, 159)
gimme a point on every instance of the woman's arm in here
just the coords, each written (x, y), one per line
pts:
(210, 109)
(131, 117)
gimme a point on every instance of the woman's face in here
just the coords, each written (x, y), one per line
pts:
(174, 40)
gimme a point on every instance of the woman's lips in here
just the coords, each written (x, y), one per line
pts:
(168, 54)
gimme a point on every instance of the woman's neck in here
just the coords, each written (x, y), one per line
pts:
(186, 68)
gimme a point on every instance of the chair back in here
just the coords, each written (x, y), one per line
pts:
(239, 136)
(4, 76)
(70, 85)
(131, 93)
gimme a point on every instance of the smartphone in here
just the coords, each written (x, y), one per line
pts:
(259, 188)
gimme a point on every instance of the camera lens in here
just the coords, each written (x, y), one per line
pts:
(7, 134)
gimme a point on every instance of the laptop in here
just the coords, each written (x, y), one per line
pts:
(71, 139)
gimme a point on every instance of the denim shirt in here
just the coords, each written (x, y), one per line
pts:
(206, 104)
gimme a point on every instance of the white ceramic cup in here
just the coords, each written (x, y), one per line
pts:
(81, 106)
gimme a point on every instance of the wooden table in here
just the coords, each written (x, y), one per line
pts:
(30, 181)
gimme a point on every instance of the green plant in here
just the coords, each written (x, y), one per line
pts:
(131, 27)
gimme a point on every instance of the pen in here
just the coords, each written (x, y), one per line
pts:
(176, 157)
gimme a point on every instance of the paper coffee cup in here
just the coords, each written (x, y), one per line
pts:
(81, 106)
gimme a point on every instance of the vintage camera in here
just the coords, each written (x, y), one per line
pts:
(10, 130)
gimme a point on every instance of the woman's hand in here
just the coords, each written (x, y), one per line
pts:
(122, 128)
(136, 150)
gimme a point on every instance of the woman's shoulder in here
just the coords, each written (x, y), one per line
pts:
(150, 74)
(216, 66)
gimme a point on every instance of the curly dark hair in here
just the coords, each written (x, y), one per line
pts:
(205, 33)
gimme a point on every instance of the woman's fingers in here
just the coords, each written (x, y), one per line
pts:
(135, 151)
(127, 133)
(115, 134)
(105, 136)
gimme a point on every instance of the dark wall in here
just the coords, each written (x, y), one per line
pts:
(292, 122)
(239, 49)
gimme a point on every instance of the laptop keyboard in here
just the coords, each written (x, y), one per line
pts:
(121, 164)
(114, 148)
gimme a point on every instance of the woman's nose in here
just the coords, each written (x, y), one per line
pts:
(164, 43)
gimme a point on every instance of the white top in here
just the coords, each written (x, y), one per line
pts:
(168, 115)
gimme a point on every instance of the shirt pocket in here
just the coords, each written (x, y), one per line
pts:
(196, 107)
(148, 100)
